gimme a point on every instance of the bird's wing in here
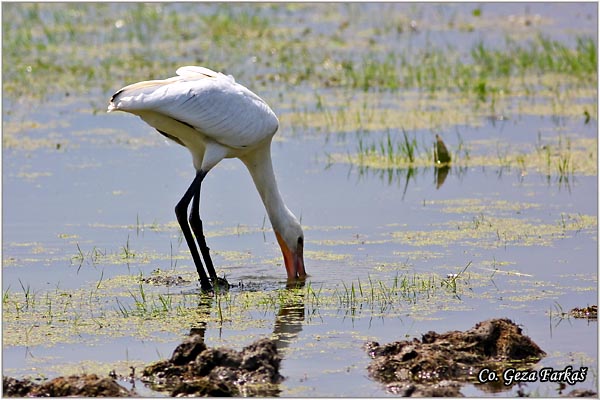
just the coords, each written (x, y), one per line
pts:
(208, 101)
(192, 71)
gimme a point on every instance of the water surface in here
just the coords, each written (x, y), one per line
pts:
(88, 202)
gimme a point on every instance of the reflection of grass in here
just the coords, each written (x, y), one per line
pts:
(562, 159)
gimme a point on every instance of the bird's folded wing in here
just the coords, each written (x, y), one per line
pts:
(210, 102)
(195, 71)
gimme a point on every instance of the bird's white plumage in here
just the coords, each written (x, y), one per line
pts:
(216, 118)
(193, 71)
(210, 102)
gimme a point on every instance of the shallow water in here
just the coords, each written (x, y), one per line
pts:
(525, 245)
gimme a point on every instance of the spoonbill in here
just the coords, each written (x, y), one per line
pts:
(215, 117)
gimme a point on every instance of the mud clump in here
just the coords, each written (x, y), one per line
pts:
(79, 386)
(438, 364)
(195, 370)
(590, 312)
(192, 370)
(159, 279)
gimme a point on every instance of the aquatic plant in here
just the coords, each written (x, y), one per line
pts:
(85, 47)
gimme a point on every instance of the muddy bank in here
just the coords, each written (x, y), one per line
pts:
(78, 386)
(195, 370)
(192, 370)
(438, 364)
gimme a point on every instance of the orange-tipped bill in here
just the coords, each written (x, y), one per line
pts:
(294, 261)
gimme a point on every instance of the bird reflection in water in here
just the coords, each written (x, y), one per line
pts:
(441, 159)
(288, 321)
(440, 174)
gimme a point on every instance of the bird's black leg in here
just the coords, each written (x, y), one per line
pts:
(196, 224)
(181, 213)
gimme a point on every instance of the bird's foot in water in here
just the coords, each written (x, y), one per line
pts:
(219, 285)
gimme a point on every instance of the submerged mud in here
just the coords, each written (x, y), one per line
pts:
(438, 364)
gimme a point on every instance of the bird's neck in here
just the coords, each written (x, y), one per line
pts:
(261, 169)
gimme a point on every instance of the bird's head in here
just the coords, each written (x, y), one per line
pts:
(291, 241)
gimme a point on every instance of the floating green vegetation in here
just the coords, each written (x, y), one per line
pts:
(143, 307)
(376, 112)
(123, 256)
(326, 256)
(131, 305)
(46, 134)
(485, 224)
(489, 231)
(479, 206)
(215, 231)
(339, 111)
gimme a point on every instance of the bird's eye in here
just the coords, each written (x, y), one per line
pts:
(301, 241)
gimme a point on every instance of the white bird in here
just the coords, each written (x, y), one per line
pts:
(215, 118)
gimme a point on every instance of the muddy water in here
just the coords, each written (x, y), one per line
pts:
(88, 207)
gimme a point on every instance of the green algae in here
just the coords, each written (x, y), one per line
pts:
(124, 306)
(326, 256)
(479, 205)
(490, 231)
(486, 224)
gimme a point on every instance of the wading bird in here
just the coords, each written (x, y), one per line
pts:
(215, 118)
